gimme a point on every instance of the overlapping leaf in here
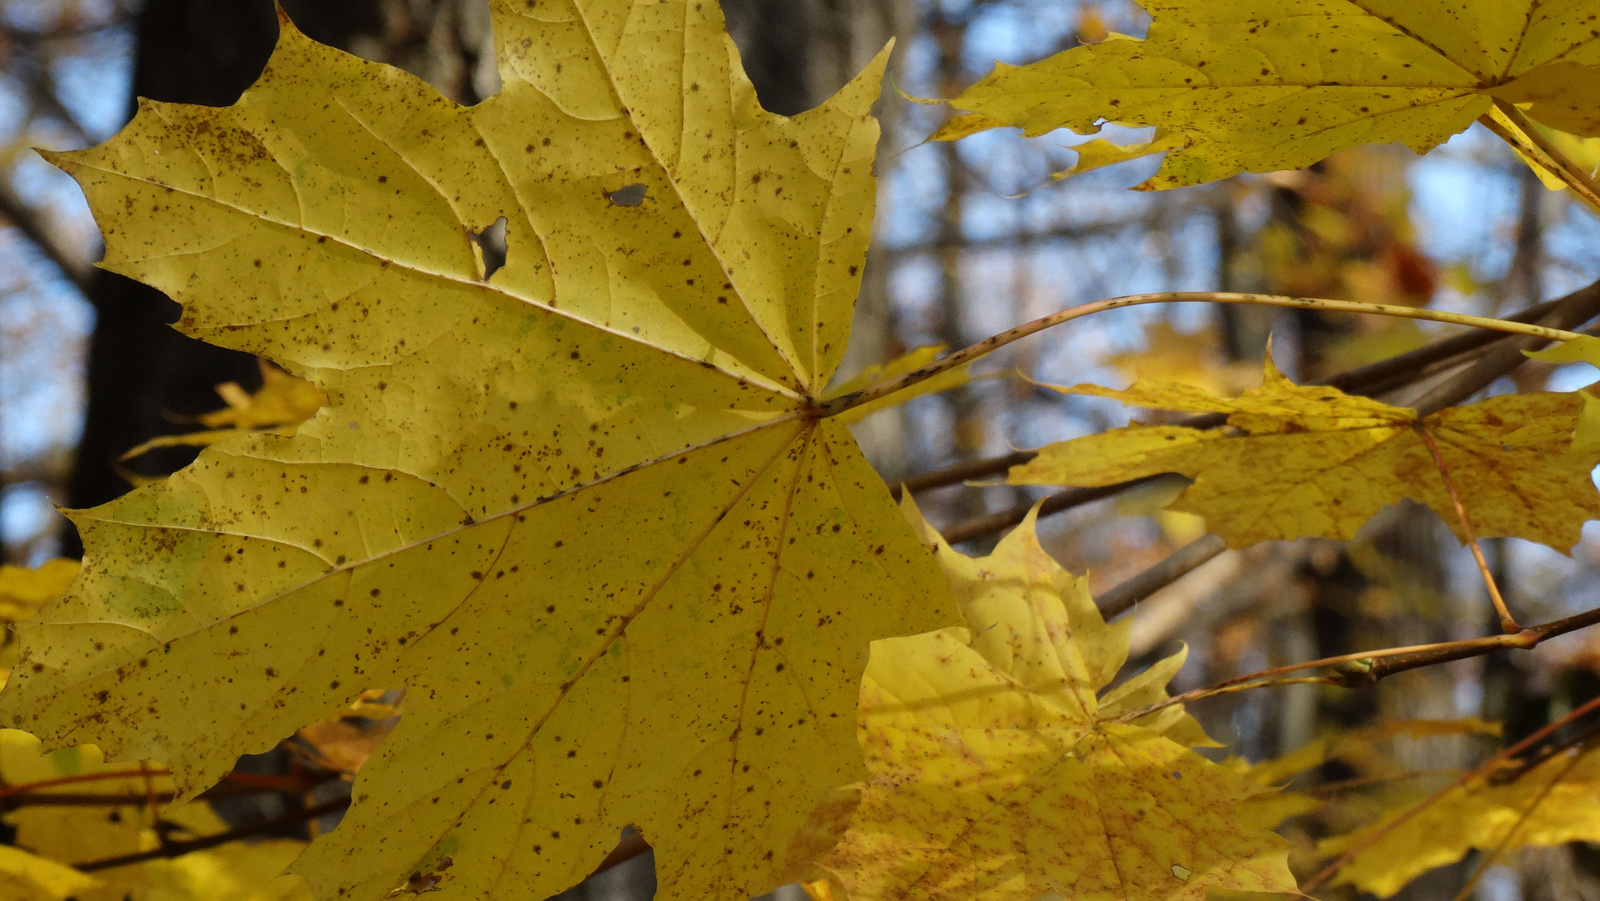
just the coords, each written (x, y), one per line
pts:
(1261, 85)
(25, 589)
(582, 509)
(1550, 804)
(50, 837)
(1302, 460)
(997, 774)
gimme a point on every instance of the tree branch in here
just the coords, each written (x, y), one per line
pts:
(177, 849)
(1374, 378)
(1121, 597)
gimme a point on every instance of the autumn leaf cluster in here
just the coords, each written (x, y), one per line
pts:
(592, 514)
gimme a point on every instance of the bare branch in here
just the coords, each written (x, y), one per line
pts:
(27, 221)
(1122, 596)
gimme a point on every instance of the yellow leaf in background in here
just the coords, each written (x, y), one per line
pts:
(1355, 745)
(1302, 461)
(281, 400)
(1551, 804)
(582, 509)
(1392, 338)
(964, 125)
(1100, 153)
(28, 877)
(1262, 85)
(237, 871)
(1583, 349)
(345, 743)
(76, 834)
(24, 590)
(1092, 27)
(1194, 358)
(996, 774)
(282, 403)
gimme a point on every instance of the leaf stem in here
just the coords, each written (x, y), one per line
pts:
(835, 406)
(1511, 125)
(1508, 623)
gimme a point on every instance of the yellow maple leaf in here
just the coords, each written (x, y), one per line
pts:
(583, 509)
(29, 877)
(1304, 460)
(1550, 804)
(996, 772)
(1261, 85)
(22, 592)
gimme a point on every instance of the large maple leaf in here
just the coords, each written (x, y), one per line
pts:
(1305, 460)
(1261, 85)
(999, 772)
(583, 508)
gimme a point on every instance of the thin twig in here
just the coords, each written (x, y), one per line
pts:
(1353, 669)
(82, 799)
(1373, 378)
(837, 405)
(1333, 788)
(1072, 497)
(1365, 668)
(962, 472)
(17, 797)
(175, 849)
(1568, 312)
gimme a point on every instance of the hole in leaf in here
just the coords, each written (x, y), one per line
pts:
(492, 247)
(632, 195)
